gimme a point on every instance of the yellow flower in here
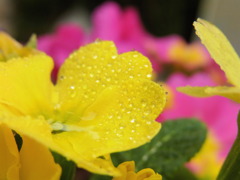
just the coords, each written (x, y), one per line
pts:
(224, 54)
(127, 170)
(102, 103)
(207, 162)
(9, 48)
(28, 164)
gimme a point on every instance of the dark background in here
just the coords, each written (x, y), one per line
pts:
(160, 17)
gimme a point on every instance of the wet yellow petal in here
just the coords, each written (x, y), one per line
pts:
(220, 49)
(128, 122)
(37, 162)
(9, 48)
(232, 93)
(9, 156)
(93, 68)
(25, 84)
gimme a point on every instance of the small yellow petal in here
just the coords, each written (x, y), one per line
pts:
(220, 49)
(26, 85)
(12, 49)
(37, 162)
(9, 156)
(127, 170)
(232, 93)
(148, 174)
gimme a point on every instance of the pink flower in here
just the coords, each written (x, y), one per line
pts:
(176, 51)
(217, 112)
(124, 27)
(66, 39)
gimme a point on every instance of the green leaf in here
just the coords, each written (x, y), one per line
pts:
(178, 141)
(68, 167)
(32, 42)
(183, 174)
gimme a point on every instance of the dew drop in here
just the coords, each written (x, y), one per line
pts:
(133, 120)
(114, 57)
(149, 75)
(72, 87)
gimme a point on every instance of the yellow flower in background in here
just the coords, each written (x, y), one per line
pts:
(207, 162)
(102, 103)
(9, 48)
(224, 55)
(127, 170)
(34, 161)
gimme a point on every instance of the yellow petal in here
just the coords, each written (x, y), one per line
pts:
(127, 171)
(220, 49)
(37, 162)
(9, 156)
(25, 84)
(12, 49)
(232, 93)
(93, 68)
(128, 122)
(148, 174)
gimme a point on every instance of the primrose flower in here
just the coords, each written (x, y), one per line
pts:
(224, 55)
(128, 172)
(28, 163)
(101, 103)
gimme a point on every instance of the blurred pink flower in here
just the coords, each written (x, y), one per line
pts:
(217, 112)
(124, 27)
(58, 45)
(109, 22)
(176, 51)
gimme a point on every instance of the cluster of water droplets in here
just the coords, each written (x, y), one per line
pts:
(98, 66)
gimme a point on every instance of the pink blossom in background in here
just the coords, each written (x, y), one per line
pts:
(109, 22)
(176, 51)
(219, 113)
(124, 27)
(58, 45)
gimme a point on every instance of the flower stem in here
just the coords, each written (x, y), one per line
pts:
(231, 166)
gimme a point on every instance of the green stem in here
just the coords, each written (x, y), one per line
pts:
(231, 167)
